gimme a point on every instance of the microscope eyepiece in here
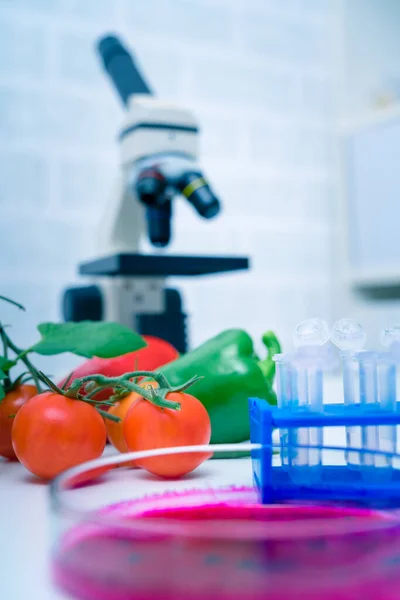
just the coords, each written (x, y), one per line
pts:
(110, 47)
(197, 191)
(119, 65)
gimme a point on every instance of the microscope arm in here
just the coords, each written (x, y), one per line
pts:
(122, 223)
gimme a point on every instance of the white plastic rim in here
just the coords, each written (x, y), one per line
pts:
(120, 459)
(59, 484)
(221, 529)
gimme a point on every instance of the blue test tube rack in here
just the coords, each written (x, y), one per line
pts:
(368, 471)
(278, 483)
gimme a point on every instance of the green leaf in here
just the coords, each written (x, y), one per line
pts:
(5, 366)
(2, 392)
(87, 338)
(3, 362)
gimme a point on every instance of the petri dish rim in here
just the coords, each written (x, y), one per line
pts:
(360, 521)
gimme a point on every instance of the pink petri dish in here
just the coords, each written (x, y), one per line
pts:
(207, 537)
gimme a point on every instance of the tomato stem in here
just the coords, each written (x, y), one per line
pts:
(74, 395)
(10, 344)
(155, 396)
(93, 384)
(123, 383)
(23, 378)
(107, 415)
(66, 382)
(103, 382)
(188, 384)
(4, 342)
(158, 377)
(95, 402)
(17, 304)
(23, 353)
(50, 384)
(95, 391)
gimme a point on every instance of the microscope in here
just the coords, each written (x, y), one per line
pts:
(158, 146)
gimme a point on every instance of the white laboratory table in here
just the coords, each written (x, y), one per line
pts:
(25, 520)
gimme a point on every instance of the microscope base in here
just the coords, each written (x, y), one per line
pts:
(90, 303)
(169, 325)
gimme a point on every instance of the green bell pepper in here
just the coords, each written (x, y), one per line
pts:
(231, 374)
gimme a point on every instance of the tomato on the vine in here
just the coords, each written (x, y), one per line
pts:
(9, 407)
(147, 427)
(52, 433)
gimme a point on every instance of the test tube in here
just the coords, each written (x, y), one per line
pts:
(307, 393)
(349, 336)
(369, 396)
(387, 388)
(284, 395)
(283, 380)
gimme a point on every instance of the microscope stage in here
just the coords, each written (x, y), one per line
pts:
(144, 265)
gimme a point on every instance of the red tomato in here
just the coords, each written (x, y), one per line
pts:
(115, 431)
(147, 426)
(158, 352)
(9, 407)
(52, 433)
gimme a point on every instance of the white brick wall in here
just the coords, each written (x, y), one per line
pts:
(370, 70)
(259, 75)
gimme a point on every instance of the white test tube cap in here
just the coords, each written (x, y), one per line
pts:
(348, 335)
(391, 337)
(311, 332)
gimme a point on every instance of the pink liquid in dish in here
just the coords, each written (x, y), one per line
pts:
(242, 550)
